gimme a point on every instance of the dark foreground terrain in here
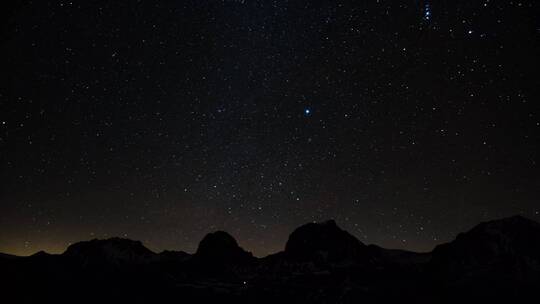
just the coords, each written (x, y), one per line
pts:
(495, 262)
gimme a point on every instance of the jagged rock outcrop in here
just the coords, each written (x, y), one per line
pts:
(496, 261)
(324, 243)
(492, 244)
(110, 251)
(221, 247)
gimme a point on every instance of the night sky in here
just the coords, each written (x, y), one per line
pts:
(406, 121)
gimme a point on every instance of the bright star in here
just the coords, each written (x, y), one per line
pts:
(307, 111)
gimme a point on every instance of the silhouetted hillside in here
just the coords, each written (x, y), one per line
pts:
(324, 243)
(110, 251)
(7, 256)
(221, 247)
(497, 261)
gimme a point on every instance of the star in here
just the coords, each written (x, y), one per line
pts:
(427, 12)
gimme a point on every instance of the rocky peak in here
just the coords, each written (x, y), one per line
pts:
(113, 250)
(508, 241)
(323, 241)
(221, 246)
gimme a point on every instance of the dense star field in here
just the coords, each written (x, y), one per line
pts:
(405, 121)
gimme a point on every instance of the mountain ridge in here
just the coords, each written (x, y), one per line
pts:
(497, 260)
(330, 222)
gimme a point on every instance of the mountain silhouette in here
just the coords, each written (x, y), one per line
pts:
(513, 239)
(496, 261)
(110, 251)
(4, 256)
(323, 241)
(497, 257)
(220, 246)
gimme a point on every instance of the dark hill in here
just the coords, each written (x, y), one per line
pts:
(113, 251)
(495, 261)
(222, 247)
(324, 243)
(506, 242)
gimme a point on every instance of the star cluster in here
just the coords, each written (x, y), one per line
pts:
(406, 121)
